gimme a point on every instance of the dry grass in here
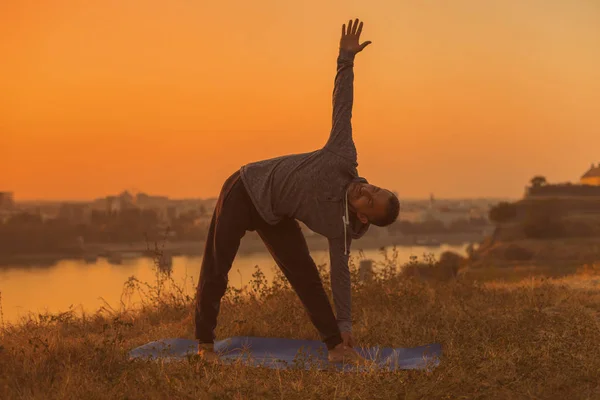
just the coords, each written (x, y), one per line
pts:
(537, 339)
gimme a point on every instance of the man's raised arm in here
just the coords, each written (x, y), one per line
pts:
(340, 140)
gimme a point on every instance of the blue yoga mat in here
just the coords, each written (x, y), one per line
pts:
(289, 353)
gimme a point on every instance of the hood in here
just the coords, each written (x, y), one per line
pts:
(357, 228)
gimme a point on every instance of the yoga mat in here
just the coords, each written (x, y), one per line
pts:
(280, 353)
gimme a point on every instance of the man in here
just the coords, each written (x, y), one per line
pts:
(323, 190)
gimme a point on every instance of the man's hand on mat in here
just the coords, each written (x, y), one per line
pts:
(351, 36)
(347, 338)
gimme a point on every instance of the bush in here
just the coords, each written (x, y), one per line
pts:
(443, 270)
(544, 220)
(543, 229)
(503, 212)
(582, 228)
(515, 252)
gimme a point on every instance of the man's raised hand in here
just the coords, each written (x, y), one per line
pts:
(351, 36)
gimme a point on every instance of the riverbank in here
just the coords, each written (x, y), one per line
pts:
(250, 244)
(533, 339)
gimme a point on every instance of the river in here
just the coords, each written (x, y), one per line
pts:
(87, 286)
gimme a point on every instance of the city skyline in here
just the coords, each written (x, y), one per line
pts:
(171, 198)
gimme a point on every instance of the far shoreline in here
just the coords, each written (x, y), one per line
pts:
(250, 244)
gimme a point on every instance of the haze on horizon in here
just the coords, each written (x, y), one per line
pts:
(462, 98)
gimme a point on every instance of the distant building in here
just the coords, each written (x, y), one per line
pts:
(77, 213)
(443, 214)
(592, 176)
(7, 201)
(126, 200)
(144, 200)
(111, 204)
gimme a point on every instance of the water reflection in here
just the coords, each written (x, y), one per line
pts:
(87, 285)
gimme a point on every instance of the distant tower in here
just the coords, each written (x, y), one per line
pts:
(431, 200)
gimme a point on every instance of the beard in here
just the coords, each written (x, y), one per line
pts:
(357, 193)
(354, 195)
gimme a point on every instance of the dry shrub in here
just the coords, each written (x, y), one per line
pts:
(445, 269)
(503, 212)
(589, 269)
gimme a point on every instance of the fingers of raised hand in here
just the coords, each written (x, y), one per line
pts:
(354, 28)
(359, 30)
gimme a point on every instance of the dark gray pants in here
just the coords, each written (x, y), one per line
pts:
(234, 215)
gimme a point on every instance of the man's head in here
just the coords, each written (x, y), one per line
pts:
(372, 204)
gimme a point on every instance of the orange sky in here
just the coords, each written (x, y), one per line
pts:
(459, 98)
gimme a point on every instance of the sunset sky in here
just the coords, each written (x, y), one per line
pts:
(459, 98)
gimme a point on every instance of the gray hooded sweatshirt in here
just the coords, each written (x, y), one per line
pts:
(312, 188)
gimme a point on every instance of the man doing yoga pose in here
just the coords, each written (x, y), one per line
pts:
(324, 191)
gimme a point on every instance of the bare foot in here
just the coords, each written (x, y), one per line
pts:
(207, 352)
(346, 355)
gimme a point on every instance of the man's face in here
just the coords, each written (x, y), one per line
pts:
(368, 201)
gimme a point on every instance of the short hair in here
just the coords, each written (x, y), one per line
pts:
(391, 212)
